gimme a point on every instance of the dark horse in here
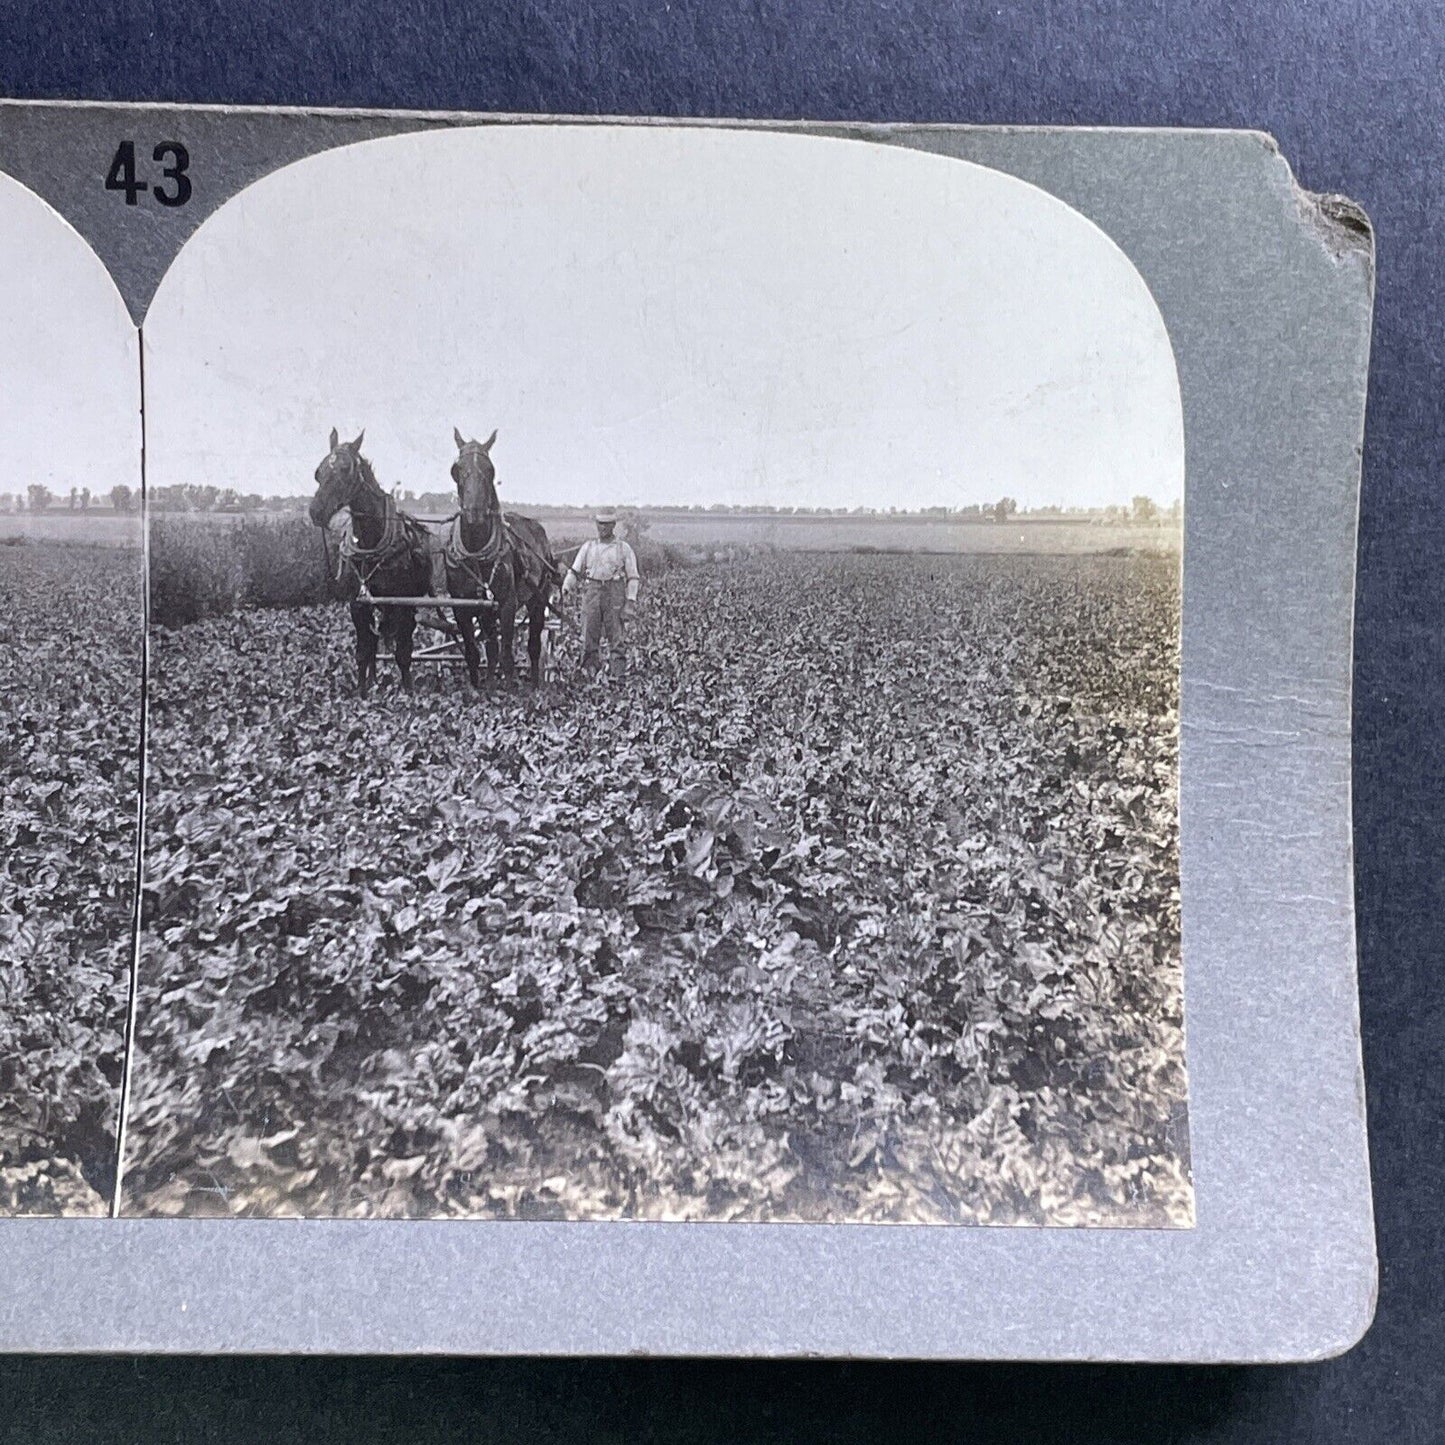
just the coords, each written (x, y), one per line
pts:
(505, 560)
(385, 550)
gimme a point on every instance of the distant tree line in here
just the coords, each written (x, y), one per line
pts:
(1142, 510)
(37, 497)
(191, 497)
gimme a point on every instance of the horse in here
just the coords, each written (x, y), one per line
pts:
(506, 560)
(387, 551)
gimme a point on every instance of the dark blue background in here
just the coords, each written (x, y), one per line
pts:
(1352, 89)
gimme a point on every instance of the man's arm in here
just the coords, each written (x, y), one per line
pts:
(574, 572)
(634, 580)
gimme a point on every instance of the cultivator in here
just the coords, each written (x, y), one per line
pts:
(431, 614)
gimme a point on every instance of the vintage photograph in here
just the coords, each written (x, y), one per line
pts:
(663, 694)
(72, 628)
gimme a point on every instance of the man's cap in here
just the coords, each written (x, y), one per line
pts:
(606, 519)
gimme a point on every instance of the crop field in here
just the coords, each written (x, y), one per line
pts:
(70, 691)
(905, 533)
(857, 900)
(96, 527)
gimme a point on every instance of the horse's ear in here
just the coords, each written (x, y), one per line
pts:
(356, 445)
(457, 437)
(487, 445)
(334, 438)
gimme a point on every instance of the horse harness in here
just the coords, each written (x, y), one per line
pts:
(459, 557)
(396, 537)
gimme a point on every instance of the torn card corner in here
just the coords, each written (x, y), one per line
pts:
(1341, 223)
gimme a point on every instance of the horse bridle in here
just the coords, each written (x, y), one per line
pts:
(393, 534)
(467, 559)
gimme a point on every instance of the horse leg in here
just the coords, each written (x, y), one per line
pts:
(536, 622)
(365, 647)
(405, 628)
(507, 622)
(488, 623)
(463, 618)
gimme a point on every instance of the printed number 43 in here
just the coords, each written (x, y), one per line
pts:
(122, 174)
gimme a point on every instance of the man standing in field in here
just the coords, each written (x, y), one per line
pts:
(606, 570)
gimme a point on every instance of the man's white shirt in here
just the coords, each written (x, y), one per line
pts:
(599, 561)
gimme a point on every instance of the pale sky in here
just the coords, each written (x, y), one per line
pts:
(69, 369)
(653, 315)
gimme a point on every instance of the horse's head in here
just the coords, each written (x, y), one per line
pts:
(339, 479)
(476, 478)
